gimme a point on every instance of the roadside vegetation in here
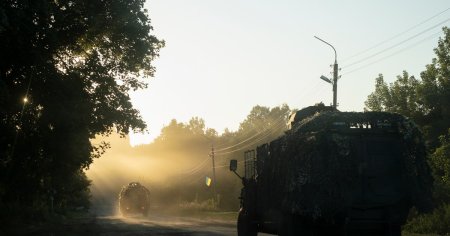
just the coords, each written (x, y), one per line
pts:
(427, 102)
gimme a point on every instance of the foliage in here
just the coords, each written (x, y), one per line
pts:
(399, 97)
(265, 118)
(427, 102)
(435, 90)
(207, 205)
(262, 125)
(74, 62)
(436, 222)
(440, 163)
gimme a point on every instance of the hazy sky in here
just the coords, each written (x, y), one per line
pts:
(224, 57)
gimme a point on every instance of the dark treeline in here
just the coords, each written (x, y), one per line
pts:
(427, 102)
(66, 68)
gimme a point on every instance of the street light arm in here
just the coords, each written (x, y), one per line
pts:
(335, 73)
(335, 54)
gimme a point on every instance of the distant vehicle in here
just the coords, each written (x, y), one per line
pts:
(134, 199)
(335, 173)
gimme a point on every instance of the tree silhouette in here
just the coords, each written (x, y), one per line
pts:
(426, 101)
(74, 62)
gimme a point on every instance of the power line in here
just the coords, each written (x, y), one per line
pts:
(237, 144)
(209, 139)
(256, 141)
(395, 53)
(277, 121)
(396, 36)
(196, 168)
(395, 45)
(191, 180)
(280, 119)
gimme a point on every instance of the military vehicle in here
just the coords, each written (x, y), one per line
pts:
(335, 173)
(134, 199)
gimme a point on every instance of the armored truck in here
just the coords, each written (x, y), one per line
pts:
(134, 198)
(335, 173)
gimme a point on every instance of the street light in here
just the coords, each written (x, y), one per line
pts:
(326, 79)
(335, 74)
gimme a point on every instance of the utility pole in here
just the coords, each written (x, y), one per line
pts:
(335, 79)
(335, 74)
(214, 173)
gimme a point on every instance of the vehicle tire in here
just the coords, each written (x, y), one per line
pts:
(245, 225)
(292, 225)
(287, 226)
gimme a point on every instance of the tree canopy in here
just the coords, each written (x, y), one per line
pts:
(426, 101)
(66, 68)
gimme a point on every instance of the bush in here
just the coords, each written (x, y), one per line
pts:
(207, 205)
(437, 222)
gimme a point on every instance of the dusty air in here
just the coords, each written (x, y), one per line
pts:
(224, 118)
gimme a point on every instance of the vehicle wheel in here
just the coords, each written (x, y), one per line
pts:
(286, 227)
(292, 225)
(245, 226)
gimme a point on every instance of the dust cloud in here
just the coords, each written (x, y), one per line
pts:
(171, 176)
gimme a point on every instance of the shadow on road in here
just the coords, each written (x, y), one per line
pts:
(132, 226)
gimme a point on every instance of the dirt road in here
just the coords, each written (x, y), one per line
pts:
(155, 224)
(163, 225)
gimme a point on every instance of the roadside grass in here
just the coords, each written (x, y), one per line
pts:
(405, 233)
(206, 209)
(215, 215)
(195, 213)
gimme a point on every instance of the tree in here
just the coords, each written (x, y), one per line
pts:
(440, 163)
(434, 91)
(74, 62)
(264, 119)
(197, 126)
(380, 99)
(399, 97)
(426, 101)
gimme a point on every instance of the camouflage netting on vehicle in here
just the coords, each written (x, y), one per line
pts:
(134, 199)
(315, 166)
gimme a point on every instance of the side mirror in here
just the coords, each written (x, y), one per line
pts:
(233, 165)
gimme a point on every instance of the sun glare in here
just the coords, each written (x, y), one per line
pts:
(139, 139)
